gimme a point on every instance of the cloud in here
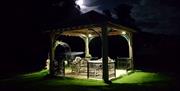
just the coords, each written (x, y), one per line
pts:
(157, 17)
(85, 9)
(100, 5)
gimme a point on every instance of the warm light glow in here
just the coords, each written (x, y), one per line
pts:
(89, 35)
(123, 32)
(47, 64)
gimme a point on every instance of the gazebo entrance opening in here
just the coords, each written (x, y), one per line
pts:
(73, 66)
(60, 56)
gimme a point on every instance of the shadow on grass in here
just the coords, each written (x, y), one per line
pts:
(112, 87)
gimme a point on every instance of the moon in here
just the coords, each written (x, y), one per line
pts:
(80, 3)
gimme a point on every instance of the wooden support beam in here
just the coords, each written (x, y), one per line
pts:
(52, 40)
(105, 53)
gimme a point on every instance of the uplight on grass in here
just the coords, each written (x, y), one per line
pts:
(141, 77)
(120, 72)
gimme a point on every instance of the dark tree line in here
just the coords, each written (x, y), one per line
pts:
(25, 46)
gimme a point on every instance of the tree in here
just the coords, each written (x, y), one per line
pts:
(52, 12)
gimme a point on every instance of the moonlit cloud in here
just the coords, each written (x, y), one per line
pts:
(86, 9)
(154, 16)
(80, 2)
(85, 5)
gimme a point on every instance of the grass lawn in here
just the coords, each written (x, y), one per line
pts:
(39, 81)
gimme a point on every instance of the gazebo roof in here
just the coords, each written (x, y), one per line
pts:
(85, 23)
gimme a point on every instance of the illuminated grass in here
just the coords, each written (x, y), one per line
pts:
(77, 82)
(38, 81)
(136, 77)
(142, 77)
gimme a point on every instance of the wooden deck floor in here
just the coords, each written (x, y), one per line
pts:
(83, 75)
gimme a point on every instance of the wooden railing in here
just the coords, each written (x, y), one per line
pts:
(123, 63)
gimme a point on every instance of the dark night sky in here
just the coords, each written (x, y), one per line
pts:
(156, 16)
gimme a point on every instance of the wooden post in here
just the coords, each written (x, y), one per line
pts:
(105, 53)
(87, 54)
(87, 40)
(87, 69)
(131, 51)
(51, 69)
(128, 37)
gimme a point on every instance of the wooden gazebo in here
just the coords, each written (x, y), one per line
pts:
(88, 26)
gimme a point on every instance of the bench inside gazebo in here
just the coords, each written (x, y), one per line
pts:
(87, 27)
